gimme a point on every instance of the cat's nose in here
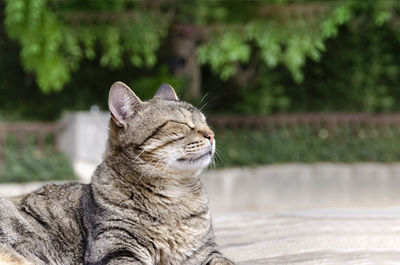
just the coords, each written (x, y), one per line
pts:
(208, 134)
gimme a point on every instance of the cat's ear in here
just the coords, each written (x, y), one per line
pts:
(123, 103)
(166, 92)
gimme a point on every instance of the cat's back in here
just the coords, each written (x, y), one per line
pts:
(45, 226)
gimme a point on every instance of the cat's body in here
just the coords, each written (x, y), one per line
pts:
(145, 205)
(44, 226)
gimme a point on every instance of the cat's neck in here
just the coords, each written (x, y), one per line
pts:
(122, 177)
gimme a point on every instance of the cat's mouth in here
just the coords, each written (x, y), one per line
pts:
(196, 159)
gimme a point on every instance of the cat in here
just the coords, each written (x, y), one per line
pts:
(144, 205)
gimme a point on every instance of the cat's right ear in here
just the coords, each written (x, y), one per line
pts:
(123, 103)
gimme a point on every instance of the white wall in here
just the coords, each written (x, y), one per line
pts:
(83, 140)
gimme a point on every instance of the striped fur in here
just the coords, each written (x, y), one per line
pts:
(9, 257)
(145, 204)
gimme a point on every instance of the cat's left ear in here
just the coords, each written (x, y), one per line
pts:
(166, 92)
(123, 103)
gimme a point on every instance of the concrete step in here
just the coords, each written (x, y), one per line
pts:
(278, 188)
(283, 187)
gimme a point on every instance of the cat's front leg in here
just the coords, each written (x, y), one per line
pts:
(216, 258)
(116, 260)
(113, 255)
(123, 262)
(220, 261)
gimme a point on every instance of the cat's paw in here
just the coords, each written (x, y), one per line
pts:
(221, 261)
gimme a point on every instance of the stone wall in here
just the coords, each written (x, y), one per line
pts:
(302, 186)
(287, 187)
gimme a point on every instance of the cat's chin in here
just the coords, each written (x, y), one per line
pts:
(195, 163)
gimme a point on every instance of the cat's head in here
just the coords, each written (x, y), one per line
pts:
(162, 134)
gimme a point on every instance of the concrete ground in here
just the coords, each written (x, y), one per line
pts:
(302, 214)
(323, 237)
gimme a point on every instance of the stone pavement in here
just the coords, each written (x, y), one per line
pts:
(323, 237)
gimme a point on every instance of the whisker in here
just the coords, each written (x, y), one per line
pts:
(203, 97)
(211, 100)
(144, 170)
(138, 156)
(170, 159)
(205, 104)
(218, 157)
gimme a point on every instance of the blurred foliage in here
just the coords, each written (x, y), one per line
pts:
(257, 57)
(55, 36)
(160, 76)
(32, 164)
(277, 40)
(359, 72)
(303, 144)
(52, 46)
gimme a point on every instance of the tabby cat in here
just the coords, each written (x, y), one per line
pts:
(145, 204)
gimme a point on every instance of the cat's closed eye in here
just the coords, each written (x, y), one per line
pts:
(184, 124)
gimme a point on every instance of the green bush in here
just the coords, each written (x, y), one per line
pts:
(303, 144)
(32, 164)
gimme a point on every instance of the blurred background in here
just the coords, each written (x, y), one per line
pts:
(303, 95)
